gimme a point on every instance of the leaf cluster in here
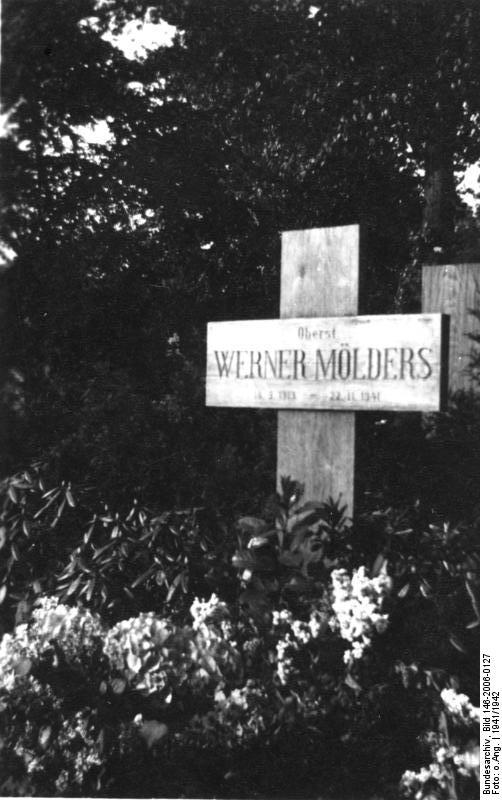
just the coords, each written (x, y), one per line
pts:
(287, 557)
(118, 562)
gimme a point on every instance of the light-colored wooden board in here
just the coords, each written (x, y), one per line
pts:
(319, 278)
(390, 362)
(320, 272)
(454, 289)
(317, 449)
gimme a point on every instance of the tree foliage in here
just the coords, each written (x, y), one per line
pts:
(257, 118)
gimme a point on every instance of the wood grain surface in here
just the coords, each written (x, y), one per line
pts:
(319, 277)
(373, 363)
(454, 289)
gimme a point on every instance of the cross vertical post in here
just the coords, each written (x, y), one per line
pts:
(319, 277)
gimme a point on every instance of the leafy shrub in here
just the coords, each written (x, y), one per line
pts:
(320, 639)
(431, 644)
(288, 555)
(335, 662)
(454, 770)
(77, 695)
(120, 562)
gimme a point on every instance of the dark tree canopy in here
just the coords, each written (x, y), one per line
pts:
(259, 117)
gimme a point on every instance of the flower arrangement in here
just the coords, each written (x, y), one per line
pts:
(202, 666)
(304, 653)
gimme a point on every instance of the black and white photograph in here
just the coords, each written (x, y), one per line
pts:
(240, 402)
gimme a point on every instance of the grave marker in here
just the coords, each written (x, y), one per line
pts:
(453, 289)
(370, 363)
(320, 362)
(319, 276)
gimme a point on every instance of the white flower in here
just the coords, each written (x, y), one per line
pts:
(204, 611)
(460, 706)
(74, 629)
(281, 617)
(284, 661)
(357, 603)
(301, 631)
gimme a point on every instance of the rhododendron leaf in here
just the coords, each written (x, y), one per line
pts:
(49, 503)
(12, 494)
(101, 550)
(100, 741)
(118, 685)
(300, 533)
(90, 589)
(151, 731)
(170, 592)
(312, 505)
(142, 578)
(306, 518)
(351, 681)
(290, 559)
(58, 513)
(379, 565)
(251, 525)
(84, 565)
(260, 541)
(457, 644)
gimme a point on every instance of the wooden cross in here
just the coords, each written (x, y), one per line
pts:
(319, 277)
(320, 363)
